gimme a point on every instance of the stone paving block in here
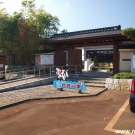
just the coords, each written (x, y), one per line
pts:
(45, 91)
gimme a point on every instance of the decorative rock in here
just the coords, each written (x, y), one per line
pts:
(117, 87)
(129, 81)
(106, 85)
(111, 86)
(108, 80)
(123, 87)
(128, 87)
(116, 81)
(122, 81)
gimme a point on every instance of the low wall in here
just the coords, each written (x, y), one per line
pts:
(118, 84)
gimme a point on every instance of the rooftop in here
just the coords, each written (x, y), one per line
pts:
(98, 30)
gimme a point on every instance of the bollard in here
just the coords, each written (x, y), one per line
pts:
(9, 79)
(39, 74)
(34, 71)
(44, 70)
(50, 72)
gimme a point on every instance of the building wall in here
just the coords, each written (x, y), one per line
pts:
(125, 59)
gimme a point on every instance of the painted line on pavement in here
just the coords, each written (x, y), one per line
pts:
(110, 125)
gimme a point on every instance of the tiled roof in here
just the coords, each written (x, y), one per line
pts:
(84, 32)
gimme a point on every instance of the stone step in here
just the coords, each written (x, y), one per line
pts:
(95, 81)
(88, 81)
(95, 85)
(85, 78)
(94, 74)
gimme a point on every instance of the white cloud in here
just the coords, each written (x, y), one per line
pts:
(67, 4)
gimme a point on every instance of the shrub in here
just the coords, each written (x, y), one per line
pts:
(95, 61)
(123, 75)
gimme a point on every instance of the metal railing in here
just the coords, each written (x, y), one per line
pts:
(73, 68)
(9, 76)
(25, 73)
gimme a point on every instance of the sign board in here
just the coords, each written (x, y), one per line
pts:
(69, 85)
(133, 61)
(46, 59)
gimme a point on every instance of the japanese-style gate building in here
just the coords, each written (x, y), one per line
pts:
(73, 43)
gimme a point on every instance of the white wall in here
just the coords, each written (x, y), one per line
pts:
(125, 54)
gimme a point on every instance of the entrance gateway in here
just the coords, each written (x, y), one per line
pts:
(74, 47)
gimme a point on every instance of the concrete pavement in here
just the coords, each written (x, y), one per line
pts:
(43, 92)
(74, 116)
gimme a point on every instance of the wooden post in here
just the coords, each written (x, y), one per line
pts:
(57, 57)
(115, 59)
(118, 62)
(70, 59)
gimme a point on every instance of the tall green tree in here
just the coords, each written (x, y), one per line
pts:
(23, 31)
(130, 33)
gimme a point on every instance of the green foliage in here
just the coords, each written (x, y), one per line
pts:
(64, 31)
(108, 69)
(23, 31)
(123, 75)
(130, 33)
(95, 61)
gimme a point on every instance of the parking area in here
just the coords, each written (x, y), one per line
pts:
(102, 114)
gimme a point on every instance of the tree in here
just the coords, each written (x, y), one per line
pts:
(23, 31)
(64, 31)
(130, 33)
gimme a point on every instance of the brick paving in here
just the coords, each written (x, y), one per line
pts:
(43, 92)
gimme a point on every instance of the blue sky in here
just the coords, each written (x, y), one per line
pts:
(75, 15)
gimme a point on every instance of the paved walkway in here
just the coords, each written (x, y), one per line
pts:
(42, 92)
(25, 83)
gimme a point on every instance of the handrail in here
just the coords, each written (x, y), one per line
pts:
(25, 73)
(70, 66)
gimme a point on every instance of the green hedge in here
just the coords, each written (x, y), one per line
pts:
(123, 75)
